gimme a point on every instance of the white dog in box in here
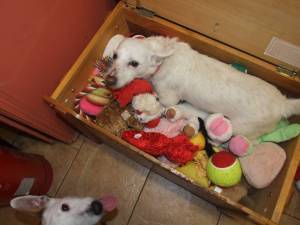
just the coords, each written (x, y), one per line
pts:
(178, 73)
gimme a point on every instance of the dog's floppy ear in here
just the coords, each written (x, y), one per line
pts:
(161, 47)
(29, 203)
(112, 45)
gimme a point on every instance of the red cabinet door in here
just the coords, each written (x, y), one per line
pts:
(39, 42)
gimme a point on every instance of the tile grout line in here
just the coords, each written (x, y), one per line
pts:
(292, 216)
(68, 170)
(220, 215)
(138, 198)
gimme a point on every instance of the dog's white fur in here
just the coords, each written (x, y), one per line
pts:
(53, 214)
(180, 73)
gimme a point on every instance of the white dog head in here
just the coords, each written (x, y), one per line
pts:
(136, 57)
(65, 211)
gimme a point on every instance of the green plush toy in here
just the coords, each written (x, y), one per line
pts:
(284, 131)
(239, 67)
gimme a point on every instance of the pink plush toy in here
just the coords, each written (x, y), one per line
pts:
(240, 146)
(218, 128)
(262, 166)
(89, 108)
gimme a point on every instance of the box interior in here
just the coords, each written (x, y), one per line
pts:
(128, 22)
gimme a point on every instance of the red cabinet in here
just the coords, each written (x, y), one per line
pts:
(40, 40)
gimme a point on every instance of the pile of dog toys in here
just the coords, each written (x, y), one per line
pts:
(198, 145)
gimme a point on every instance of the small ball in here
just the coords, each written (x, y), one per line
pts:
(240, 146)
(224, 169)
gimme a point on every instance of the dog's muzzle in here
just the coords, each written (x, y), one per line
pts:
(111, 79)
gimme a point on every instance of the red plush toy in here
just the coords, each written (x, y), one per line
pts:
(125, 94)
(178, 149)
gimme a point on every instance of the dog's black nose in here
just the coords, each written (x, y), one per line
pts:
(96, 207)
(110, 80)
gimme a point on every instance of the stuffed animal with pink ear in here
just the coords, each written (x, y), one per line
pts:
(149, 111)
(189, 113)
(217, 127)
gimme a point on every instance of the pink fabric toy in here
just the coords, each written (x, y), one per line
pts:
(219, 129)
(240, 146)
(89, 108)
(168, 128)
(262, 166)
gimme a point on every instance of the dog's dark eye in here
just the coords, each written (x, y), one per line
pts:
(133, 63)
(115, 56)
(65, 207)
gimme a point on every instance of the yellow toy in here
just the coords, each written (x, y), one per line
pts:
(199, 140)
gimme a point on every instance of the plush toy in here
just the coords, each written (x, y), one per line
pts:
(262, 166)
(90, 101)
(240, 146)
(149, 111)
(178, 149)
(100, 96)
(215, 127)
(224, 169)
(284, 131)
(199, 140)
(189, 113)
(125, 94)
(219, 128)
(196, 169)
(89, 108)
(239, 67)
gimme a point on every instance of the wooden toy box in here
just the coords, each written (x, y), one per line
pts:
(206, 27)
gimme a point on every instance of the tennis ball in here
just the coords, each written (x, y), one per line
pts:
(224, 169)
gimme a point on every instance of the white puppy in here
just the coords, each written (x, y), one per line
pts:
(65, 211)
(180, 73)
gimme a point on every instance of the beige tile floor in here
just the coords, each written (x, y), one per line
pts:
(89, 169)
